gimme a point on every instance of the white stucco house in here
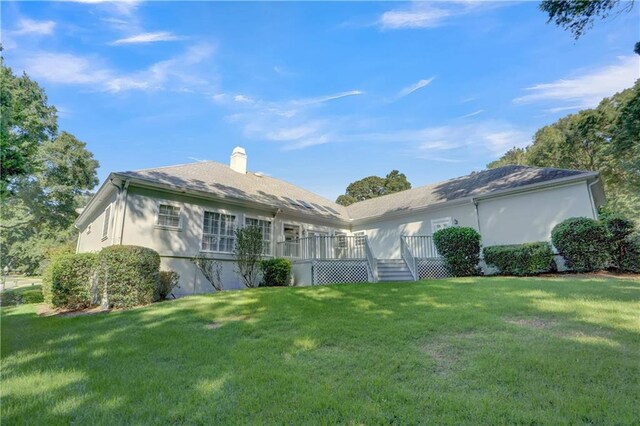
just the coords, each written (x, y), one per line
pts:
(183, 210)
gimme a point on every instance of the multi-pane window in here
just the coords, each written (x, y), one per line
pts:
(169, 215)
(105, 224)
(360, 238)
(218, 232)
(265, 227)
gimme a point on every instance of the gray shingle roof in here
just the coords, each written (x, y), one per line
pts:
(219, 180)
(475, 184)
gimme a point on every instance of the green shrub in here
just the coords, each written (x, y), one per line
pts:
(623, 243)
(128, 275)
(20, 296)
(460, 247)
(584, 243)
(631, 260)
(67, 280)
(275, 272)
(520, 259)
(167, 281)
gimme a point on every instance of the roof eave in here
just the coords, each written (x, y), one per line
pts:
(152, 184)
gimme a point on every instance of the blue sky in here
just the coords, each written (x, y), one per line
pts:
(320, 94)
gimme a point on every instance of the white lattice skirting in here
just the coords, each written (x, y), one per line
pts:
(431, 268)
(340, 271)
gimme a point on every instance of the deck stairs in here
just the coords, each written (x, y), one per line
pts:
(393, 270)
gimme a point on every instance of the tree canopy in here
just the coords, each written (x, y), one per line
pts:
(46, 175)
(604, 139)
(578, 15)
(374, 186)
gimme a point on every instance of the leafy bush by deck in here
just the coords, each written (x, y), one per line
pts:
(128, 275)
(520, 259)
(584, 243)
(460, 247)
(275, 272)
(67, 280)
(168, 280)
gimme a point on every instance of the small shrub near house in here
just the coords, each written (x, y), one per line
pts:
(624, 248)
(168, 280)
(460, 247)
(584, 243)
(520, 259)
(276, 272)
(68, 279)
(128, 275)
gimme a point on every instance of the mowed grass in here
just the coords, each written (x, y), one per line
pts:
(458, 351)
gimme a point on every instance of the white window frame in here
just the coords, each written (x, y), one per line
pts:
(180, 215)
(270, 221)
(445, 222)
(202, 234)
(106, 222)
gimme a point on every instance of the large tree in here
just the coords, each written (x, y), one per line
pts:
(605, 139)
(26, 121)
(46, 176)
(578, 15)
(374, 186)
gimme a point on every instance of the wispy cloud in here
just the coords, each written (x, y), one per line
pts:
(152, 37)
(585, 90)
(124, 7)
(473, 114)
(294, 123)
(430, 14)
(29, 26)
(177, 73)
(416, 86)
(415, 17)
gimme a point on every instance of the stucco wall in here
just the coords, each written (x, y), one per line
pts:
(90, 237)
(531, 216)
(177, 246)
(384, 235)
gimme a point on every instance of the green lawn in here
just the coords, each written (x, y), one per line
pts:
(482, 350)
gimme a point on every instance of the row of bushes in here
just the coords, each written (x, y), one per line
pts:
(589, 245)
(117, 277)
(585, 244)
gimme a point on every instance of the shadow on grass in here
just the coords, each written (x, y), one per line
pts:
(343, 353)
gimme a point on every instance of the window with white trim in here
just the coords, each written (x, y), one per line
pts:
(438, 224)
(265, 227)
(342, 239)
(360, 238)
(168, 216)
(105, 224)
(218, 232)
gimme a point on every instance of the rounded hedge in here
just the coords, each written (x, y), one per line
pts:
(520, 259)
(67, 282)
(460, 247)
(276, 272)
(584, 243)
(128, 275)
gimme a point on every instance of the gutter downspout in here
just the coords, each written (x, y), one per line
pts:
(475, 205)
(125, 190)
(115, 211)
(593, 203)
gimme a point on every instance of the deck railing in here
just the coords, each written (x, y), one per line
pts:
(421, 246)
(324, 247)
(408, 257)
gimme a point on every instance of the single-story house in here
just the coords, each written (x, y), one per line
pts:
(185, 210)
